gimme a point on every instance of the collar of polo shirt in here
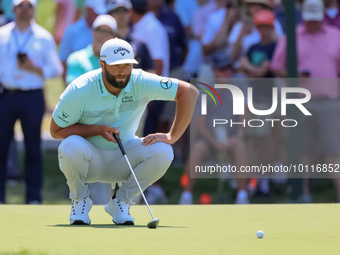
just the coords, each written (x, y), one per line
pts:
(103, 92)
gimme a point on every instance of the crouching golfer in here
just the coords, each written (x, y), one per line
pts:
(113, 99)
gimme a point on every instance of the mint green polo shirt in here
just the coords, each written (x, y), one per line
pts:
(80, 62)
(87, 101)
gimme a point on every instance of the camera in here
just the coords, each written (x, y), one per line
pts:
(21, 57)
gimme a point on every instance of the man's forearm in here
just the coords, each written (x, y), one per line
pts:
(159, 65)
(184, 110)
(237, 49)
(209, 49)
(38, 71)
(76, 129)
(83, 131)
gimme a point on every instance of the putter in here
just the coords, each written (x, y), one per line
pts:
(155, 221)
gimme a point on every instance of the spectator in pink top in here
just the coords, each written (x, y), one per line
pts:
(318, 53)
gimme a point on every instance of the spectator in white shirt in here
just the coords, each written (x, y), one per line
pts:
(27, 57)
(149, 30)
(194, 23)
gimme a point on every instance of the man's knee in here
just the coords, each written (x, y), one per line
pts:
(74, 146)
(74, 155)
(163, 152)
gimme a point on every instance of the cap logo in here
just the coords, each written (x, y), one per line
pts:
(313, 8)
(121, 50)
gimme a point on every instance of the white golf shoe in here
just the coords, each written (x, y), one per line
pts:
(120, 212)
(80, 212)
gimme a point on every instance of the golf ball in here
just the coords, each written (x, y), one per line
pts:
(260, 234)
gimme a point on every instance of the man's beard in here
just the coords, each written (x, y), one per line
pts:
(113, 80)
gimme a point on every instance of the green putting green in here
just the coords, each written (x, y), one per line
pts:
(195, 229)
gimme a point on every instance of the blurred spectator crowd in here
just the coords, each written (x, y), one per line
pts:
(184, 39)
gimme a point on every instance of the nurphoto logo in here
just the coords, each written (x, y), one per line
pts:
(239, 104)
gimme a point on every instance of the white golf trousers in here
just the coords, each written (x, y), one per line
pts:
(83, 163)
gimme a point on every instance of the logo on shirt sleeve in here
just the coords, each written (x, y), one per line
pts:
(166, 83)
(64, 116)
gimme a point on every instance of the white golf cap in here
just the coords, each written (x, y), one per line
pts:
(17, 2)
(313, 10)
(116, 52)
(107, 20)
(97, 5)
(114, 4)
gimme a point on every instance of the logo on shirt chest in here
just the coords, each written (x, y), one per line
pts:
(127, 99)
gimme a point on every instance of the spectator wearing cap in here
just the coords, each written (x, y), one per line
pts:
(318, 53)
(79, 35)
(207, 144)
(27, 58)
(244, 33)
(266, 143)
(80, 62)
(256, 63)
(7, 7)
(149, 30)
(332, 13)
(104, 28)
(121, 11)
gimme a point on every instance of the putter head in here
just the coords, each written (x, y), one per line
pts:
(153, 223)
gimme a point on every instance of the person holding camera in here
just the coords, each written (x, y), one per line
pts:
(245, 34)
(27, 57)
(219, 26)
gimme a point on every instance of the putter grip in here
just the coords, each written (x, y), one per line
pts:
(119, 143)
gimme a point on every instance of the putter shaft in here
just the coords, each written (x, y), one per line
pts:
(134, 176)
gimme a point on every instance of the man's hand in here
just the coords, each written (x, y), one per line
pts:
(105, 131)
(260, 72)
(158, 137)
(246, 29)
(29, 66)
